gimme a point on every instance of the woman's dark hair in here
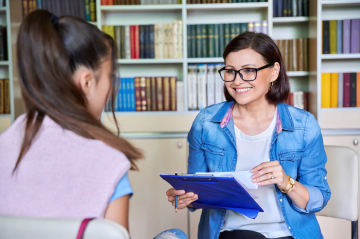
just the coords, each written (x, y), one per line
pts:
(266, 47)
(47, 57)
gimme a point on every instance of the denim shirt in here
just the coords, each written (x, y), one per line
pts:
(296, 143)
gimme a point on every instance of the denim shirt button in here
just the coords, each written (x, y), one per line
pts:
(325, 177)
(289, 228)
(280, 200)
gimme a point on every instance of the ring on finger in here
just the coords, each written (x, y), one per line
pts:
(272, 175)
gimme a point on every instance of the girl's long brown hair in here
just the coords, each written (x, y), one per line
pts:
(47, 57)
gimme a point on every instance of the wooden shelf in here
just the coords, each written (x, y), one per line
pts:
(120, 8)
(298, 73)
(341, 3)
(150, 61)
(340, 56)
(227, 6)
(206, 60)
(290, 19)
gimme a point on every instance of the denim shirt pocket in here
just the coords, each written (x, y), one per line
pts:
(290, 161)
(214, 155)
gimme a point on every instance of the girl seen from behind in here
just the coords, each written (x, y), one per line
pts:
(58, 160)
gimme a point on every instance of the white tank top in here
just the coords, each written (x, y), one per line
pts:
(251, 151)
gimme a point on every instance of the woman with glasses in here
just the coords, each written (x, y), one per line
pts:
(255, 131)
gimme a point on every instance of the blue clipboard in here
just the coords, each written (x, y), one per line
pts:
(216, 193)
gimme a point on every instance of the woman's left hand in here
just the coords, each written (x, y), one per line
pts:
(270, 173)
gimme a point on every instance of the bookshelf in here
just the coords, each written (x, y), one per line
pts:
(6, 67)
(339, 119)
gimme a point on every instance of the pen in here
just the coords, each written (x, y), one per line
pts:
(175, 200)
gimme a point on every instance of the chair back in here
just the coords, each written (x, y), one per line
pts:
(58, 228)
(343, 179)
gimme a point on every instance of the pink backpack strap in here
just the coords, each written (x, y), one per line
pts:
(83, 227)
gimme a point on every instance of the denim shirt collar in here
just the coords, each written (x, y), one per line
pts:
(283, 119)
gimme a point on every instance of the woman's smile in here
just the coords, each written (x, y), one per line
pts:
(242, 90)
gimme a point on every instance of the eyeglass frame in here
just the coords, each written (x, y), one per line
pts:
(241, 76)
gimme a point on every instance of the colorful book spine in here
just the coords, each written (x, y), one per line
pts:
(137, 93)
(325, 90)
(153, 94)
(326, 39)
(339, 36)
(210, 81)
(159, 93)
(173, 93)
(358, 89)
(352, 89)
(346, 36)
(332, 37)
(148, 93)
(334, 90)
(166, 93)
(128, 94)
(143, 93)
(123, 95)
(132, 95)
(346, 89)
(340, 90)
(355, 40)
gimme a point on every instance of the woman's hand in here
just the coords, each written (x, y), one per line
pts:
(270, 173)
(184, 199)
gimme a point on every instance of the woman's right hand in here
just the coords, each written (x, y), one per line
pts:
(184, 199)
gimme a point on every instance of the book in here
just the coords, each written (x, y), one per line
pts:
(346, 36)
(166, 93)
(137, 94)
(325, 90)
(264, 27)
(257, 27)
(192, 87)
(211, 40)
(346, 89)
(204, 41)
(227, 35)
(201, 83)
(210, 83)
(340, 90)
(339, 36)
(173, 93)
(326, 39)
(2, 96)
(334, 90)
(352, 89)
(358, 89)
(159, 94)
(142, 41)
(136, 42)
(148, 94)
(355, 40)
(6, 96)
(128, 43)
(198, 41)
(332, 36)
(117, 39)
(217, 40)
(180, 96)
(221, 40)
(219, 84)
(93, 10)
(143, 93)
(123, 97)
(132, 95)
(251, 27)
(153, 94)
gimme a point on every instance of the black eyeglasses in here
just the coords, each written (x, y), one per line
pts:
(246, 74)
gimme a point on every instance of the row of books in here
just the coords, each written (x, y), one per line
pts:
(139, 2)
(85, 9)
(294, 53)
(290, 8)
(205, 86)
(148, 41)
(340, 90)
(221, 1)
(2, 3)
(299, 99)
(149, 94)
(209, 40)
(3, 44)
(341, 36)
(4, 96)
